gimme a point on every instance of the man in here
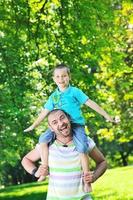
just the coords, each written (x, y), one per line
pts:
(65, 174)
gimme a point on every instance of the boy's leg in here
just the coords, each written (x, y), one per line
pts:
(81, 143)
(85, 166)
(42, 172)
(44, 140)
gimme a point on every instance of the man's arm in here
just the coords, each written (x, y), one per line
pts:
(40, 118)
(101, 164)
(29, 160)
(98, 109)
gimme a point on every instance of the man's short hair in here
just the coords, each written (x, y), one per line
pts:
(56, 110)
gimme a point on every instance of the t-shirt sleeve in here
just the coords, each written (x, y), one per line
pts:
(91, 144)
(49, 104)
(38, 148)
(80, 96)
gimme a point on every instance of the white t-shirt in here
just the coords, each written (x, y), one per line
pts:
(65, 173)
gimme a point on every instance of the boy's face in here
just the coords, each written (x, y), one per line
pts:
(61, 78)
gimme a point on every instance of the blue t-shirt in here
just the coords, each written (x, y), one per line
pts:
(70, 101)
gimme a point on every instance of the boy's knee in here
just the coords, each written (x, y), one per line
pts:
(82, 149)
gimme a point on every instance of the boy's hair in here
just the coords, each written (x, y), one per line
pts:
(62, 66)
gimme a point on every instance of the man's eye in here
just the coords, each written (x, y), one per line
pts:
(62, 117)
(54, 123)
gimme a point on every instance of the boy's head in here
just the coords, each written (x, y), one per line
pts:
(61, 76)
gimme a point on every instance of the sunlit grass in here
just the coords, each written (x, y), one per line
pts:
(115, 184)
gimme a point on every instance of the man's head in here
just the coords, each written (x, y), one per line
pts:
(59, 122)
(61, 76)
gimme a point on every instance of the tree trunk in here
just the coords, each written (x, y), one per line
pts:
(124, 159)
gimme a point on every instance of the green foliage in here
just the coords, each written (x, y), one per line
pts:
(94, 38)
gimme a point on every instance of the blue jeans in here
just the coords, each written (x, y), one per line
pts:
(47, 137)
(79, 138)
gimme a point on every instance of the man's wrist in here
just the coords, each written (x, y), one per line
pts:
(94, 177)
(34, 171)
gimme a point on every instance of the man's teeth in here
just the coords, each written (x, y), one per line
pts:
(63, 128)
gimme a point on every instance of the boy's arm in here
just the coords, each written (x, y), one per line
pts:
(98, 109)
(40, 118)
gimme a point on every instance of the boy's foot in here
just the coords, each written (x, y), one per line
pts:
(42, 171)
(87, 187)
(41, 178)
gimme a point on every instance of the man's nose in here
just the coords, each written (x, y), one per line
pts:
(60, 123)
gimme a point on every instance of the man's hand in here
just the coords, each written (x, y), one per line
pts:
(30, 128)
(88, 177)
(42, 171)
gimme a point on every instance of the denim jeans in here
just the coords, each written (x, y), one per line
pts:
(79, 137)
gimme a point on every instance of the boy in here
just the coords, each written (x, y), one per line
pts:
(69, 99)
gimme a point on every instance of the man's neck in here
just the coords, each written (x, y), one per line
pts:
(64, 140)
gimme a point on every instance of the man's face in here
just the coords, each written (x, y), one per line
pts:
(59, 123)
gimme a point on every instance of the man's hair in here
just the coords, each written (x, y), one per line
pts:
(56, 110)
(62, 66)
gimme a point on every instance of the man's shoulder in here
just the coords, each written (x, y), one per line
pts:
(91, 143)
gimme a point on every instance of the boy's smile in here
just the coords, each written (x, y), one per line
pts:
(61, 78)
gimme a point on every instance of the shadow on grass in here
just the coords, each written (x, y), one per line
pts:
(34, 196)
(19, 187)
(10, 193)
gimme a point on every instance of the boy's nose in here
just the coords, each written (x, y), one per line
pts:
(61, 78)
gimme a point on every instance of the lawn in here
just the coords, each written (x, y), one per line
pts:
(115, 184)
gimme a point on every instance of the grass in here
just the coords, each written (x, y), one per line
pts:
(115, 184)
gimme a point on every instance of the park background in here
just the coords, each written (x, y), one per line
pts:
(94, 38)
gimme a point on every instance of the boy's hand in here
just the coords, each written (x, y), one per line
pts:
(29, 129)
(116, 119)
(109, 119)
